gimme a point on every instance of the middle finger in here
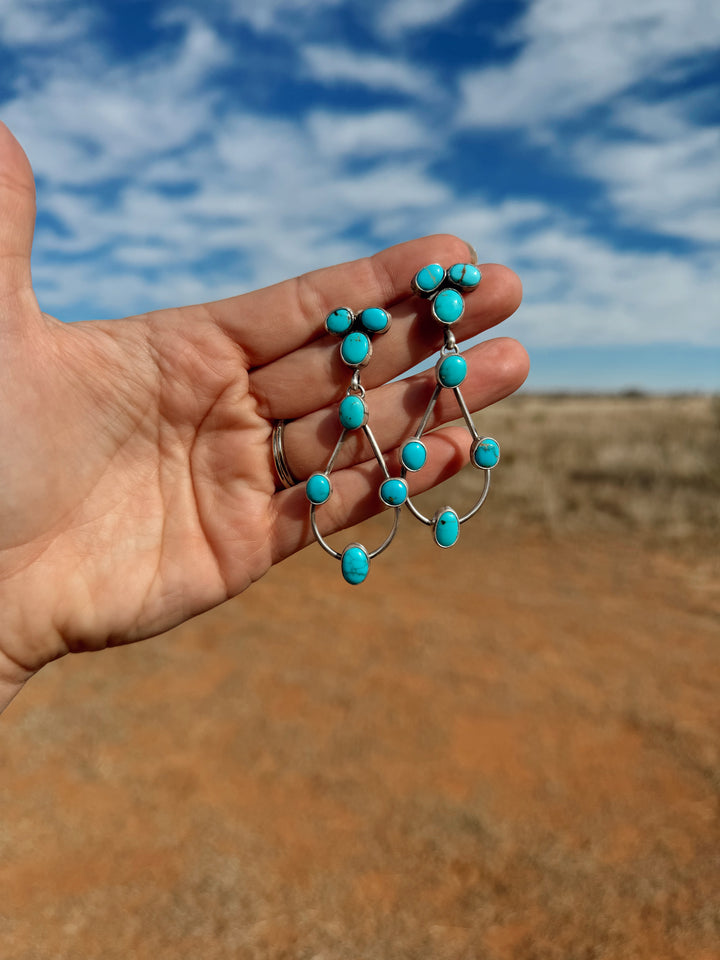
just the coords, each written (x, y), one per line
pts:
(313, 376)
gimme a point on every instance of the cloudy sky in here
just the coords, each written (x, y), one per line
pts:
(185, 152)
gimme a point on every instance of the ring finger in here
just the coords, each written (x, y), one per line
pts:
(495, 369)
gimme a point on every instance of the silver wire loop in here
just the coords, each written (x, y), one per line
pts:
(282, 468)
(355, 388)
(430, 282)
(429, 521)
(371, 555)
(386, 473)
(355, 559)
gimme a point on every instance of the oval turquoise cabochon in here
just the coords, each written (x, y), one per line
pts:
(375, 319)
(355, 349)
(465, 275)
(318, 488)
(451, 371)
(355, 563)
(429, 278)
(353, 413)
(486, 453)
(448, 306)
(447, 528)
(394, 492)
(339, 321)
(413, 455)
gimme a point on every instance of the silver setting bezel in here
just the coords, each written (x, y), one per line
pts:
(318, 473)
(406, 469)
(375, 333)
(366, 414)
(386, 502)
(333, 333)
(366, 360)
(439, 513)
(474, 447)
(443, 357)
(448, 323)
(462, 288)
(352, 546)
(427, 294)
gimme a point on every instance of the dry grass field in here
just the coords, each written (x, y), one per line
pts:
(630, 464)
(505, 751)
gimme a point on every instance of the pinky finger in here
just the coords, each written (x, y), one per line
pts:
(355, 497)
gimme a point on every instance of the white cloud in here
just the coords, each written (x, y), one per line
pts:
(399, 15)
(265, 193)
(273, 14)
(42, 22)
(604, 295)
(89, 121)
(270, 197)
(84, 284)
(579, 289)
(658, 166)
(665, 177)
(577, 54)
(386, 17)
(334, 64)
(368, 134)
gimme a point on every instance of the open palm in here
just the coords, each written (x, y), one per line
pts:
(137, 481)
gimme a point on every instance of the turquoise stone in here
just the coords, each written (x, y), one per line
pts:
(486, 453)
(339, 321)
(375, 320)
(448, 306)
(429, 278)
(355, 349)
(447, 527)
(353, 413)
(413, 455)
(465, 275)
(393, 492)
(355, 563)
(318, 488)
(451, 371)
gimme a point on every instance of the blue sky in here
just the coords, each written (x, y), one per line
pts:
(187, 152)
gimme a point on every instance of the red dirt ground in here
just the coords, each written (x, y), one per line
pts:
(507, 751)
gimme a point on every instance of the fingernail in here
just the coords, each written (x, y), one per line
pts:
(473, 252)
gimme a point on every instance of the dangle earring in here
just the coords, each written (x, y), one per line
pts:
(444, 289)
(355, 351)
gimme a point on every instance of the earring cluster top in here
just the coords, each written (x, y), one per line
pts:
(356, 331)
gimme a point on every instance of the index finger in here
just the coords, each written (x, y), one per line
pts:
(271, 322)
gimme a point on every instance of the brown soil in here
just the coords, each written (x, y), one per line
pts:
(506, 750)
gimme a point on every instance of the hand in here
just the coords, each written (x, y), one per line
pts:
(137, 486)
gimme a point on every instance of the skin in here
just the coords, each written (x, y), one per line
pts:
(137, 486)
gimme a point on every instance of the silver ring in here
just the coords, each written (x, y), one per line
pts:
(285, 475)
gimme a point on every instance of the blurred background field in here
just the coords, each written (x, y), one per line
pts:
(507, 751)
(643, 465)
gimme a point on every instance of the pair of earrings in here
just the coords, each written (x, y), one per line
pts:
(444, 289)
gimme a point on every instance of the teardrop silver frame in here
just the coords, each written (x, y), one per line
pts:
(476, 438)
(328, 469)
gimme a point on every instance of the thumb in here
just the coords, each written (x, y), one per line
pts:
(17, 214)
